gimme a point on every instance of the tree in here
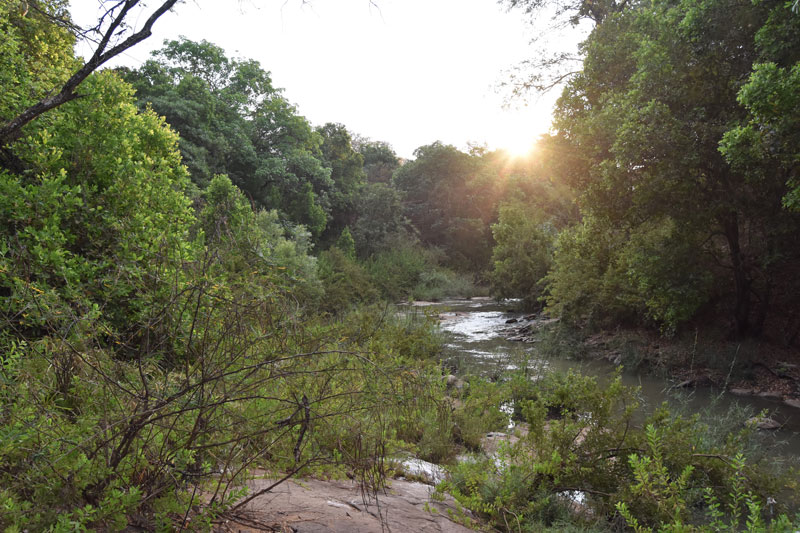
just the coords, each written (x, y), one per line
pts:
(347, 174)
(31, 67)
(445, 200)
(232, 121)
(576, 10)
(380, 160)
(533, 208)
(522, 254)
(149, 351)
(255, 244)
(115, 36)
(553, 63)
(656, 95)
(346, 244)
(98, 211)
(380, 215)
(766, 142)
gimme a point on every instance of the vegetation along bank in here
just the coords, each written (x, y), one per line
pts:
(196, 283)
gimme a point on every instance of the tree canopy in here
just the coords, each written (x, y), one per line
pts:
(232, 121)
(669, 184)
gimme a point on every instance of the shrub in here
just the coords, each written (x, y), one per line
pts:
(407, 270)
(346, 283)
(587, 281)
(582, 438)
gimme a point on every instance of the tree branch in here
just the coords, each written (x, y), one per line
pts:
(11, 130)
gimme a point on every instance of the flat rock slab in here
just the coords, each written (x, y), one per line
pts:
(315, 506)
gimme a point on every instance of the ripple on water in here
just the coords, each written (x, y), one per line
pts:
(477, 325)
(483, 354)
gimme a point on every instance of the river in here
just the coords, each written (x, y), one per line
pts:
(475, 344)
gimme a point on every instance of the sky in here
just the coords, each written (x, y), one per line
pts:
(407, 72)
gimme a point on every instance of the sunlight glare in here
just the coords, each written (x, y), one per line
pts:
(518, 147)
(516, 131)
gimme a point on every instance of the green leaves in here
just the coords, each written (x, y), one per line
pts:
(232, 121)
(523, 253)
(672, 219)
(101, 198)
(768, 142)
(447, 200)
(35, 55)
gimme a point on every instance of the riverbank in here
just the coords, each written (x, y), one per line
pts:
(693, 375)
(608, 439)
(749, 368)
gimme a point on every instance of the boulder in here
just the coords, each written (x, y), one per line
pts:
(454, 382)
(419, 470)
(613, 357)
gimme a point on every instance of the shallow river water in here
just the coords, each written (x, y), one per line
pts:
(475, 345)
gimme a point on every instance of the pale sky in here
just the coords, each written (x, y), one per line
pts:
(407, 72)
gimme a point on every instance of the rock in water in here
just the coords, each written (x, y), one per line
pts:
(792, 402)
(763, 423)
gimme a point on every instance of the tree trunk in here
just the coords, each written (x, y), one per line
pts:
(741, 278)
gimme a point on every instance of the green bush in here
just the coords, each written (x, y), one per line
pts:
(588, 281)
(346, 244)
(90, 439)
(669, 275)
(407, 270)
(397, 270)
(662, 500)
(151, 353)
(345, 282)
(477, 412)
(441, 283)
(610, 276)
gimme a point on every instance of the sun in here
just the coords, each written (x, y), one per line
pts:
(517, 146)
(517, 139)
(518, 131)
